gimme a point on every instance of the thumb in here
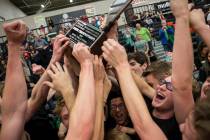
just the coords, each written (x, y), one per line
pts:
(49, 84)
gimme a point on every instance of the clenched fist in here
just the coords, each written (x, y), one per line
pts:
(179, 8)
(15, 31)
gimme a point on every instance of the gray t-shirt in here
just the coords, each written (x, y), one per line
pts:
(141, 45)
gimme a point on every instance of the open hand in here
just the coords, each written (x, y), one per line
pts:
(61, 43)
(61, 81)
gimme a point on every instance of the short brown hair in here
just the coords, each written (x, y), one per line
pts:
(140, 57)
(159, 69)
(201, 119)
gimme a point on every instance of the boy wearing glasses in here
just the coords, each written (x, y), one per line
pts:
(158, 76)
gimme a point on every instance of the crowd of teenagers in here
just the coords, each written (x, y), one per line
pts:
(76, 95)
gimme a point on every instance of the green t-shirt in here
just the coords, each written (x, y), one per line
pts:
(144, 34)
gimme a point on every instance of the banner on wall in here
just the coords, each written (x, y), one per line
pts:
(145, 2)
(66, 18)
(160, 6)
(40, 22)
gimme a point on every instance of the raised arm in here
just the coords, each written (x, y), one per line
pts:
(145, 127)
(99, 75)
(144, 88)
(14, 102)
(82, 117)
(197, 20)
(40, 91)
(59, 74)
(182, 65)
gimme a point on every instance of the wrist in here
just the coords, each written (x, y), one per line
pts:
(10, 43)
(122, 66)
(54, 60)
(185, 15)
(201, 28)
(67, 90)
(86, 64)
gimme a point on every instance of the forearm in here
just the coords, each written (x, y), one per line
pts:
(183, 54)
(204, 32)
(83, 112)
(39, 93)
(106, 88)
(182, 68)
(38, 96)
(143, 86)
(18, 91)
(14, 97)
(143, 123)
(43, 78)
(99, 122)
(69, 98)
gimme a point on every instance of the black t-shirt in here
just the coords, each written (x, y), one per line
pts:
(170, 127)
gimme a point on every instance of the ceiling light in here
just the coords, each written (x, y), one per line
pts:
(70, 1)
(42, 6)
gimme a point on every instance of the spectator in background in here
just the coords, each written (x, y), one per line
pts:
(205, 69)
(40, 42)
(166, 34)
(119, 113)
(138, 62)
(144, 34)
(129, 38)
(148, 20)
(202, 53)
(141, 45)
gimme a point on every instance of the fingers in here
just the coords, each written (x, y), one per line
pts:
(81, 52)
(49, 84)
(54, 69)
(59, 36)
(63, 39)
(51, 74)
(66, 45)
(65, 69)
(18, 25)
(190, 6)
(59, 67)
(108, 46)
(105, 56)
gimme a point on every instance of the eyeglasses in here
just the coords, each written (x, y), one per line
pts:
(120, 107)
(169, 85)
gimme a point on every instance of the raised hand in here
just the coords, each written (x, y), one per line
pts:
(82, 54)
(99, 71)
(61, 43)
(179, 8)
(197, 19)
(114, 53)
(37, 69)
(126, 130)
(113, 34)
(61, 81)
(15, 31)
